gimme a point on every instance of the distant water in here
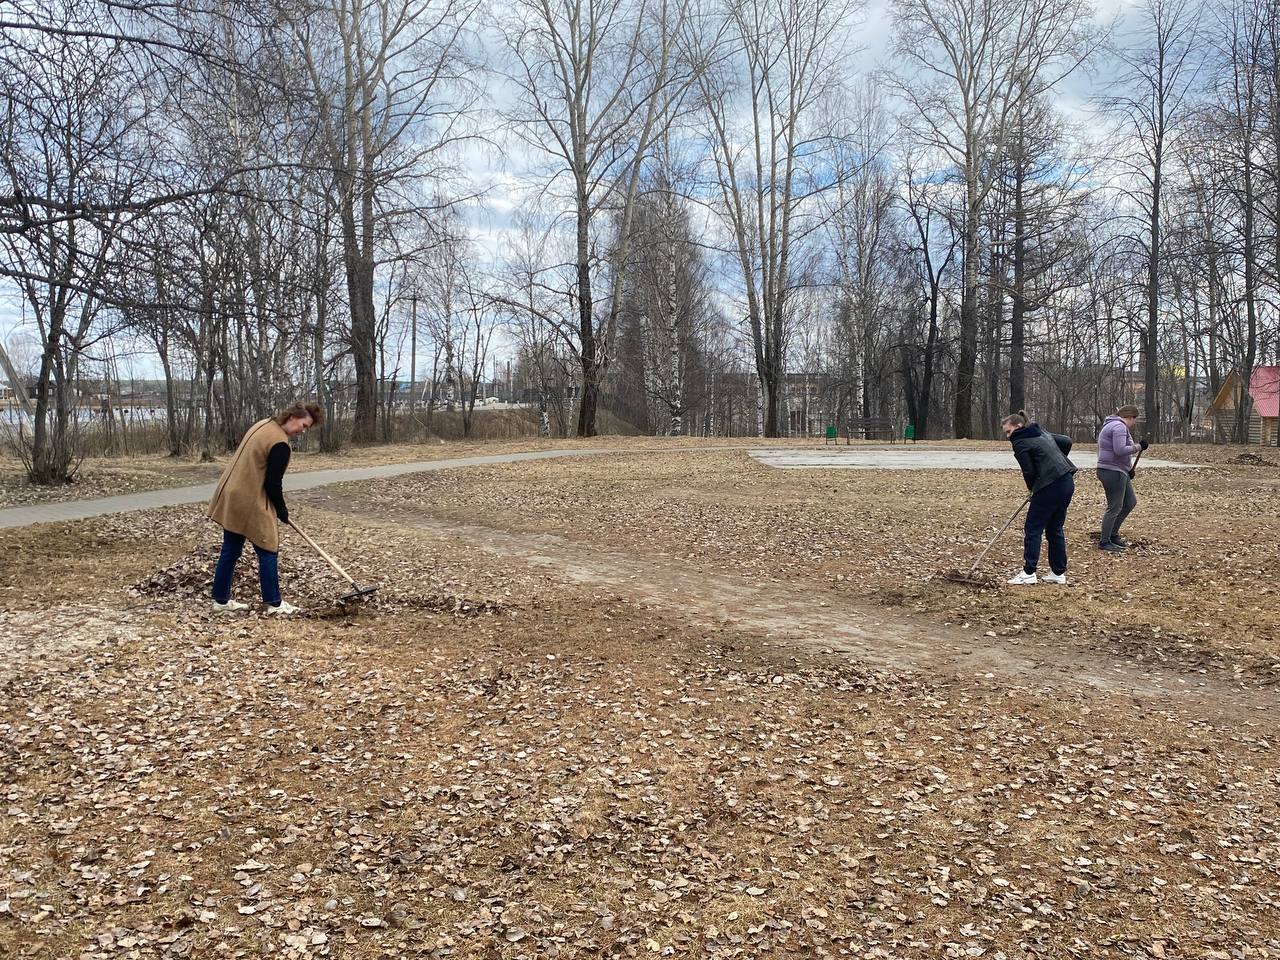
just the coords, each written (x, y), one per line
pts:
(14, 416)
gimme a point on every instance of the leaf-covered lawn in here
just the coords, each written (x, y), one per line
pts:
(488, 760)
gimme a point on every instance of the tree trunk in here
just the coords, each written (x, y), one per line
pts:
(587, 356)
(170, 400)
(1018, 309)
(926, 377)
(360, 277)
(1151, 334)
(966, 363)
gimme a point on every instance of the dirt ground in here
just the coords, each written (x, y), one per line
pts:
(645, 705)
(1197, 590)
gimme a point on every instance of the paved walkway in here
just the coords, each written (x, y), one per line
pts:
(915, 458)
(176, 496)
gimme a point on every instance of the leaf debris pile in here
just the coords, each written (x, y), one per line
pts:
(1251, 460)
(309, 583)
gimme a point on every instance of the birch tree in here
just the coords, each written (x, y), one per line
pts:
(665, 302)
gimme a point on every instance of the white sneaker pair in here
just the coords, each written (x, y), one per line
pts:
(1024, 579)
(284, 609)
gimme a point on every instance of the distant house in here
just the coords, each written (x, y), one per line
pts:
(1262, 406)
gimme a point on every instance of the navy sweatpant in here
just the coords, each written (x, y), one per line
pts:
(1045, 517)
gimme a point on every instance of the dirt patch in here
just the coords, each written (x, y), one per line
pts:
(47, 635)
(1197, 589)
(833, 620)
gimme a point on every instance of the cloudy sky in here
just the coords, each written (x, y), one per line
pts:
(1074, 97)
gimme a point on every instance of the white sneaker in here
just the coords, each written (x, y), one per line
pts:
(285, 609)
(1023, 579)
(1055, 578)
(231, 606)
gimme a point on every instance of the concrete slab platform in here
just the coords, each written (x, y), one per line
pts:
(916, 458)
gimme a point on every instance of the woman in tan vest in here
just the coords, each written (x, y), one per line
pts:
(249, 499)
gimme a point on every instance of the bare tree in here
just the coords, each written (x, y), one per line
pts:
(1161, 68)
(1042, 186)
(392, 89)
(931, 244)
(70, 133)
(768, 135)
(971, 64)
(863, 222)
(597, 82)
(1238, 117)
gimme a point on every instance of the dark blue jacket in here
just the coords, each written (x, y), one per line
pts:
(1041, 455)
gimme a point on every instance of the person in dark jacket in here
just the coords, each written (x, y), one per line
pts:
(1050, 477)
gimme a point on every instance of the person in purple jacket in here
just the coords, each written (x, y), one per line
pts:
(1116, 449)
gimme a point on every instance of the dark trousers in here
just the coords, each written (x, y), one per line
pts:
(268, 570)
(1120, 501)
(1045, 518)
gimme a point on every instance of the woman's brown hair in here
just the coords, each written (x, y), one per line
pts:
(302, 411)
(1128, 410)
(1018, 419)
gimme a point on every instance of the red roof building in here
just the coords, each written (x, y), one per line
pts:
(1261, 404)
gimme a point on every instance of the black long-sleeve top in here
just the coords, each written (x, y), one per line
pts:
(277, 464)
(1041, 455)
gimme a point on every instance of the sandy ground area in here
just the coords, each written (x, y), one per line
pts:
(649, 706)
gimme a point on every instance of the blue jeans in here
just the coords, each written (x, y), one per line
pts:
(1046, 517)
(268, 571)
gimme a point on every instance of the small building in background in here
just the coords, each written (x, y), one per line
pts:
(1261, 402)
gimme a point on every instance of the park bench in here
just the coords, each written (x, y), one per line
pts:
(869, 428)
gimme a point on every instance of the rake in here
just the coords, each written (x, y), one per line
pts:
(357, 590)
(968, 577)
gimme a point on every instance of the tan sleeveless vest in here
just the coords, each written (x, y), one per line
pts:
(240, 501)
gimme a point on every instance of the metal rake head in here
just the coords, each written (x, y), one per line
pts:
(357, 591)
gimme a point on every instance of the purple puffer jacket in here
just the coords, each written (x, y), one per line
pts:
(1115, 446)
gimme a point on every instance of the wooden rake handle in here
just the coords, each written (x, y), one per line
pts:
(318, 549)
(1136, 460)
(982, 556)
